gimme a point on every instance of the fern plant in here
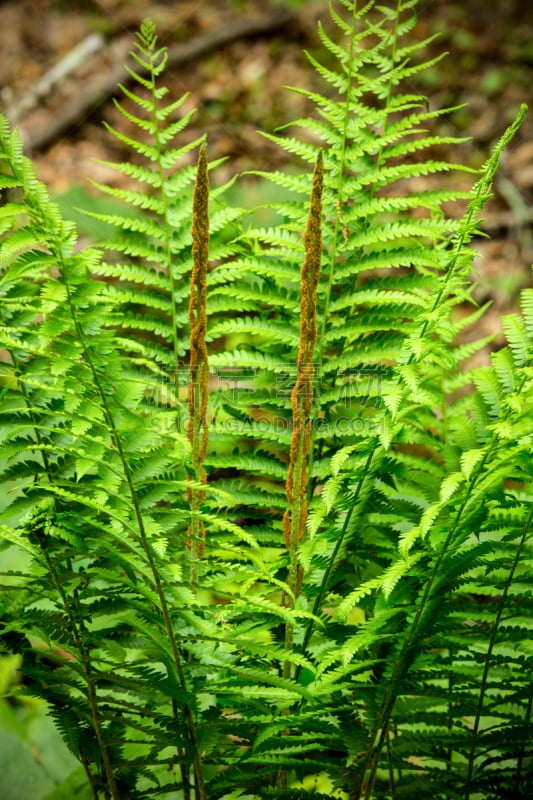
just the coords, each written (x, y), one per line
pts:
(274, 536)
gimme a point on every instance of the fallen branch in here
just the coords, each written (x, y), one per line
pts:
(70, 63)
(91, 96)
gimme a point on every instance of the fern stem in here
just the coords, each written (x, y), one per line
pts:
(87, 673)
(150, 41)
(194, 495)
(450, 707)
(399, 9)
(336, 234)
(295, 517)
(392, 780)
(490, 648)
(85, 658)
(117, 442)
(522, 755)
(198, 366)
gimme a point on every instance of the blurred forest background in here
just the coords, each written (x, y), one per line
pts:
(59, 62)
(61, 59)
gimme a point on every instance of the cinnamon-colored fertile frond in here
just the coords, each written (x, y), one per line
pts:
(295, 519)
(198, 366)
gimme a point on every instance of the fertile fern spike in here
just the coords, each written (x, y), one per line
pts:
(197, 431)
(295, 517)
